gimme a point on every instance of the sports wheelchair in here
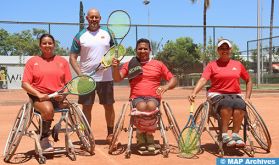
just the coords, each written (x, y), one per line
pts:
(253, 124)
(29, 123)
(119, 127)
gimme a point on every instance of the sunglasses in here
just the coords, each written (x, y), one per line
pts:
(224, 49)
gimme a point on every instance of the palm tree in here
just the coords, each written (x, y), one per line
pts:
(81, 16)
(270, 37)
(206, 4)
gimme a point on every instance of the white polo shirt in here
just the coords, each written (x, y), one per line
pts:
(91, 46)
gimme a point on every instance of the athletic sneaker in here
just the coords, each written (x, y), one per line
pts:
(228, 140)
(239, 142)
(141, 141)
(150, 142)
(46, 146)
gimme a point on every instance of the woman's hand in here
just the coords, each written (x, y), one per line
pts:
(191, 98)
(43, 97)
(59, 98)
(162, 89)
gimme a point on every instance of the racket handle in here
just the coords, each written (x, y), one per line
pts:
(116, 52)
(53, 95)
(192, 108)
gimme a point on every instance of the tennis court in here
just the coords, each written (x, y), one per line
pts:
(266, 103)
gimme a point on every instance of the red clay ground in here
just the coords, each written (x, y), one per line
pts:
(11, 100)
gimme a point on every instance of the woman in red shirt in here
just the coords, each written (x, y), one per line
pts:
(224, 75)
(44, 75)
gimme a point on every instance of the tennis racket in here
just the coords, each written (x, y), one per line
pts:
(189, 138)
(119, 24)
(80, 85)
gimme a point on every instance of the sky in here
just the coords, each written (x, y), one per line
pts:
(161, 12)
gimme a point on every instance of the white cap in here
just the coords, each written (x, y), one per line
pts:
(224, 41)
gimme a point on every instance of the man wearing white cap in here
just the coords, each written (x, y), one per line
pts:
(224, 75)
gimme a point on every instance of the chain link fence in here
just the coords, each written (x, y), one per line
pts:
(244, 37)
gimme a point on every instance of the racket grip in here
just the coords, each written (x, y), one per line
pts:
(53, 95)
(192, 108)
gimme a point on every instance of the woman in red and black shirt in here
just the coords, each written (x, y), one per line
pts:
(224, 75)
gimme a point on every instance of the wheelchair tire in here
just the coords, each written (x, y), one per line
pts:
(20, 125)
(82, 128)
(173, 126)
(201, 116)
(118, 128)
(258, 127)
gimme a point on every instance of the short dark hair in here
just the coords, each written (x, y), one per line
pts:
(46, 35)
(143, 40)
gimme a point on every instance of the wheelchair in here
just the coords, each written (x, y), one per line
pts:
(29, 123)
(164, 148)
(253, 124)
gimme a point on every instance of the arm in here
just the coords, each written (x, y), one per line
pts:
(29, 89)
(202, 81)
(74, 63)
(248, 88)
(170, 85)
(116, 74)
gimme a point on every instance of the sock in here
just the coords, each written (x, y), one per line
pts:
(224, 134)
(110, 130)
(235, 135)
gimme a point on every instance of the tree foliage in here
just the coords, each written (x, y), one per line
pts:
(180, 56)
(24, 43)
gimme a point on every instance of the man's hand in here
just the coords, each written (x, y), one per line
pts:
(115, 62)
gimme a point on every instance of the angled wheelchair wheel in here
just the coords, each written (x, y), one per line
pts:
(173, 126)
(20, 125)
(82, 128)
(118, 128)
(258, 127)
(201, 116)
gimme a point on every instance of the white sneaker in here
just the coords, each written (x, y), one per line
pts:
(46, 146)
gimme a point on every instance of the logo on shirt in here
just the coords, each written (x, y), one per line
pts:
(36, 63)
(102, 37)
(234, 68)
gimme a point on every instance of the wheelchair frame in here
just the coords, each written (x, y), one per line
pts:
(205, 120)
(73, 118)
(119, 126)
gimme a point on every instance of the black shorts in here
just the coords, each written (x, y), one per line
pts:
(104, 91)
(232, 101)
(35, 98)
(135, 101)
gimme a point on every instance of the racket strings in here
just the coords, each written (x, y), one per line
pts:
(119, 23)
(81, 85)
(107, 59)
(189, 142)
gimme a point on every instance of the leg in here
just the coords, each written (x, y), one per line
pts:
(141, 106)
(106, 97)
(150, 142)
(226, 114)
(110, 117)
(87, 102)
(238, 116)
(46, 110)
(226, 111)
(86, 109)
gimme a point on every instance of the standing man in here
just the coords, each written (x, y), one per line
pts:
(91, 44)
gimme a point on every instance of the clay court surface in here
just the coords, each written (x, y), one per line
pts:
(266, 103)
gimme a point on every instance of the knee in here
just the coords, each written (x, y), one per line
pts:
(151, 106)
(47, 113)
(141, 106)
(238, 112)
